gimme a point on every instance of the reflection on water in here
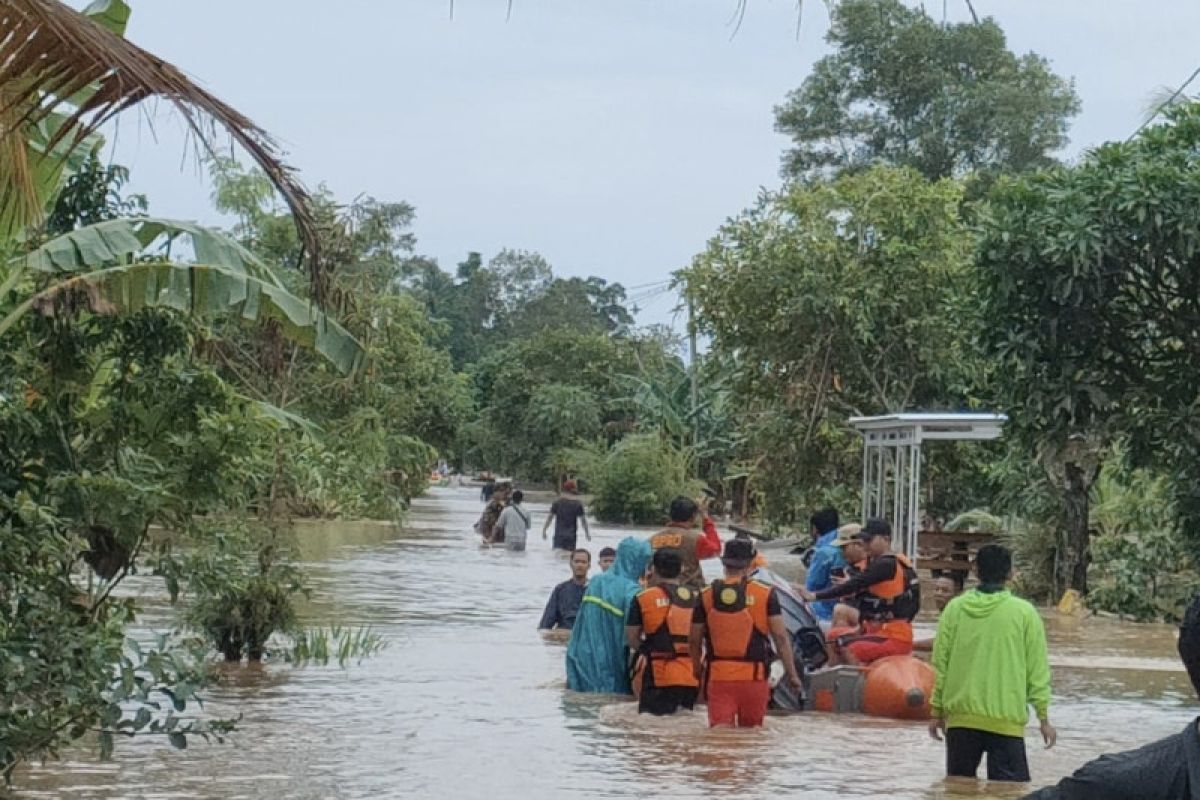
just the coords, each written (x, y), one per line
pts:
(469, 701)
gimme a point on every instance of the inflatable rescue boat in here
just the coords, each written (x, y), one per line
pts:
(899, 687)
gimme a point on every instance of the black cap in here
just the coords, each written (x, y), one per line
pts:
(739, 553)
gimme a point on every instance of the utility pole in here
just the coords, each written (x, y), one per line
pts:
(694, 366)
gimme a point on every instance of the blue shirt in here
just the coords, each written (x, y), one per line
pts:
(825, 558)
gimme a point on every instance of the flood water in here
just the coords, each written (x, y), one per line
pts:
(469, 701)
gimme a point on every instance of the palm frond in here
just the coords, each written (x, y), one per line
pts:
(71, 74)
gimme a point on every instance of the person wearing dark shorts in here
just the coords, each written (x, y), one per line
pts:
(990, 664)
(657, 629)
(566, 511)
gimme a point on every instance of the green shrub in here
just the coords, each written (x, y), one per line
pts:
(637, 479)
(241, 590)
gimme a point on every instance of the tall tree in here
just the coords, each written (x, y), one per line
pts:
(593, 305)
(903, 89)
(1092, 289)
(837, 299)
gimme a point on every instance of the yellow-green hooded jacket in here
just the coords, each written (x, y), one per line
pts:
(990, 659)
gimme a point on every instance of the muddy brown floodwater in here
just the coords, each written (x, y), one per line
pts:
(469, 701)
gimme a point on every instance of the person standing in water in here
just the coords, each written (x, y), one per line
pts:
(733, 628)
(567, 512)
(947, 585)
(657, 627)
(596, 655)
(563, 605)
(606, 558)
(513, 526)
(693, 546)
(491, 514)
(990, 663)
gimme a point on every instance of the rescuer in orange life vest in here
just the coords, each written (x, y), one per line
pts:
(657, 628)
(736, 622)
(889, 596)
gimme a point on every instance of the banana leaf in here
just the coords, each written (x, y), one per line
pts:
(119, 241)
(202, 290)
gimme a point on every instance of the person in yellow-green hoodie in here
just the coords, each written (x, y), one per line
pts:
(991, 665)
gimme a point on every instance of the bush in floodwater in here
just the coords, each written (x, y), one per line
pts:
(242, 588)
(636, 480)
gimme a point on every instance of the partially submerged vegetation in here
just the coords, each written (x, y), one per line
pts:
(170, 394)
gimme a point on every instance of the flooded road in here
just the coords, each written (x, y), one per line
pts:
(469, 701)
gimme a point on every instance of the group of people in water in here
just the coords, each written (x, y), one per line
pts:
(650, 625)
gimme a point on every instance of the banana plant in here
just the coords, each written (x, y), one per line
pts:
(124, 265)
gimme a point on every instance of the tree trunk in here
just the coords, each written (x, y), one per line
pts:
(1074, 566)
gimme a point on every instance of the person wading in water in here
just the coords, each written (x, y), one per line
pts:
(567, 512)
(657, 627)
(563, 605)
(491, 515)
(693, 546)
(733, 628)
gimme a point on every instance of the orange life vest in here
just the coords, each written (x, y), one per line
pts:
(739, 647)
(889, 606)
(666, 623)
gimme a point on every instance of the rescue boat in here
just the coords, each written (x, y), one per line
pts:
(899, 687)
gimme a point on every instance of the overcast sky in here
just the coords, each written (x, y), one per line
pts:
(612, 136)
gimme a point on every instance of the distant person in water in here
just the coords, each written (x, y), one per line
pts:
(486, 491)
(563, 605)
(991, 666)
(491, 514)
(567, 512)
(606, 558)
(1163, 770)
(512, 527)
(597, 656)
(947, 585)
(693, 546)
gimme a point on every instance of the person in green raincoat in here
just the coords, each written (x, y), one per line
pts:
(597, 656)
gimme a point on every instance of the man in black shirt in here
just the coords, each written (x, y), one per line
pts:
(1164, 770)
(566, 511)
(563, 606)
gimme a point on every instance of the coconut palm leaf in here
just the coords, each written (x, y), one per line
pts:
(64, 74)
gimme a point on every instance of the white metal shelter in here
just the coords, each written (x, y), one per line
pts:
(892, 463)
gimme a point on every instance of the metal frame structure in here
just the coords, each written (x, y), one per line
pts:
(892, 463)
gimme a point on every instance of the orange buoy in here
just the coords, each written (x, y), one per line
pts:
(899, 687)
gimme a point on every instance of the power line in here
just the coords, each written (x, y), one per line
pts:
(1165, 103)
